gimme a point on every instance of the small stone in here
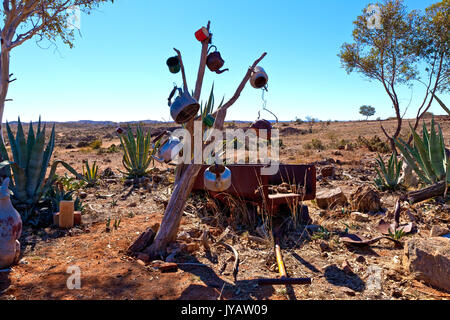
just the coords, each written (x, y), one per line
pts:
(360, 259)
(142, 263)
(168, 267)
(132, 205)
(328, 171)
(346, 267)
(359, 217)
(82, 195)
(324, 246)
(438, 231)
(192, 247)
(365, 199)
(330, 198)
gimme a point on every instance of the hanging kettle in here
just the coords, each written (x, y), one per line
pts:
(217, 178)
(174, 64)
(168, 149)
(259, 78)
(262, 125)
(184, 108)
(214, 61)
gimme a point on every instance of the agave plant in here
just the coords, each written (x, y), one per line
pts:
(442, 104)
(388, 176)
(29, 166)
(137, 155)
(427, 156)
(90, 174)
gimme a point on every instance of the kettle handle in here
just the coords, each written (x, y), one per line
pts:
(221, 71)
(172, 93)
(211, 47)
(158, 159)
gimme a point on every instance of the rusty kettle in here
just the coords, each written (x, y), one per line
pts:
(214, 61)
(184, 108)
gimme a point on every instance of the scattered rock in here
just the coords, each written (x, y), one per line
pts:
(144, 240)
(365, 199)
(168, 267)
(142, 263)
(348, 147)
(346, 267)
(327, 198)
(429, 260)
(69, 146)
(360, 259)
(409, 177)
(82, 195)
(328, 171)
(359, 217)
(132, 205)
(438, 231)
(324, 246)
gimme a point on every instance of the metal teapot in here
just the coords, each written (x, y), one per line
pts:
(174, 64)
(214, 61)
(169, 148)
(184, 108)
(217, 178)
(259, 78)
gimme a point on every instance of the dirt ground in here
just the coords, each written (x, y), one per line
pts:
(107, 272)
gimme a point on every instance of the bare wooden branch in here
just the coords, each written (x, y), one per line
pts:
(183, 74)
(435, 190)
(236, 258)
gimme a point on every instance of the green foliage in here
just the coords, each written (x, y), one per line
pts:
(56, 195)
(374, 144)
(367, 111)
(442, 104)
(427, 156)
(70, 183)
(208, 107)
(90, 174)
(397, 235)
(315, 144)
(136, 153)
(388, 177)
(29, 166)
(96, 144)
(321, 233)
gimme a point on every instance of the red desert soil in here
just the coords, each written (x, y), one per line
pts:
(107, 272)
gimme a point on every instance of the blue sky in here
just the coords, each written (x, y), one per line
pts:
(117, 70)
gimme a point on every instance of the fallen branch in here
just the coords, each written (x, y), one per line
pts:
(435, 190)
(236, 258)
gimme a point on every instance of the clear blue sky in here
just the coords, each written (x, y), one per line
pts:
(117, 69)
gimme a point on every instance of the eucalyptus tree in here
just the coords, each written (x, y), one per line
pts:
(401, 49)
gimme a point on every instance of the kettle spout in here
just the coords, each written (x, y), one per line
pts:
(221, 71)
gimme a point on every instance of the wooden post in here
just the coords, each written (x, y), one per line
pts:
(66, 210)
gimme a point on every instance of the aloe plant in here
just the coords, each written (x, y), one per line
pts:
(90, 174)
(442, 104)
(388, 176)
(137, 155)
(427, 156)
(28, 168)
(207, 109)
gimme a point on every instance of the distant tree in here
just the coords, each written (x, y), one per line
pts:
(408, 46)
(367, 111)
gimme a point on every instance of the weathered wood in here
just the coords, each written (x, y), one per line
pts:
(435, 190)
(236, 258)
(142, 241)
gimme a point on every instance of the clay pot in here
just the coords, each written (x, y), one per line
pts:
(10, 229)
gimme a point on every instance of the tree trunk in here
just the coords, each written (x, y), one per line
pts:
(4, 85)
(174, 211)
